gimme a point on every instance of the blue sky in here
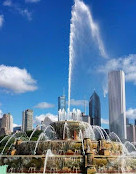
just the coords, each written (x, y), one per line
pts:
(34, 48)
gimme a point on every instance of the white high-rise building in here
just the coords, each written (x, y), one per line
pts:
(117, 103)
(27, 120)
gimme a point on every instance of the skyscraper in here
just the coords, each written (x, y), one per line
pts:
(117, 103)
(95, 110)
(131, 133)
(27, 120)
(127, 121)
(62, 103)
(11, 123)
(7, 123)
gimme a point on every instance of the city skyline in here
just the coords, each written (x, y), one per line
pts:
(40, 55)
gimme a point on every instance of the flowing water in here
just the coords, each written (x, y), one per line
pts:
(48, 154)
(7, 143)
(79, 10)
(40, 137)
(66, 131)
(81, 138)
(37, 127)
(98, 130)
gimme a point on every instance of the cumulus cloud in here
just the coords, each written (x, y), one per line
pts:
(44, 105)
(126, 63)
(104, 121)
(74, 102)
(16, 125)
(40, 118)
(131, 113)
(14, 79)
(1, 20)
(32, 1)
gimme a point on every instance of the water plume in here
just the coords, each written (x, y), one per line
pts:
(81, 15)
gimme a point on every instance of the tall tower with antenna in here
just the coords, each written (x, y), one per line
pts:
(95, 109)
(62, 101)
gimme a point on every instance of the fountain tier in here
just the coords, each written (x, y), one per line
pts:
(75, 147)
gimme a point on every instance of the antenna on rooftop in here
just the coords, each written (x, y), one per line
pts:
(84, 106)
(63, 91)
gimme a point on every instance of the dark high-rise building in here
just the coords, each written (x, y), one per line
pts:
(62, 103)
(135, 122)
(85, 118)
(17, 129)
(127, 121)
(95, 110)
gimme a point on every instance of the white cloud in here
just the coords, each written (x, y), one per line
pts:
(7, 3)
(32, 1)
(127, 64)
(105, 90)
(104, 121)
(41, 117)
(74, 102)
(14, 79)
(22, 11)
(131, 113)
(1, 20)
(16, 125)
(25, 12)
(44, 105)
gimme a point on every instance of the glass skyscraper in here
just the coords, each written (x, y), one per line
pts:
(117, 103)
(95, 110)
(62, 103)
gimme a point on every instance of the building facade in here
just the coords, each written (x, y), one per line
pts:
(131, 133)
(6, 124)
(95, 110)
(62, 102)
(85, 118)
(27, 120)
(17, 129)
(117, 103)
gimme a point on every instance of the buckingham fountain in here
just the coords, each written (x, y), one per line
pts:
(68, 146)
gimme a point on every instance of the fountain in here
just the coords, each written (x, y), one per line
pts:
(7, 143)
(40, 137)
(76, 148)
(81, 138)
(74, 115)
(66, 130)
(37, 127)
(99, 131)
(114, 137)
(79, 10)
(48, 154)
(130, 147)
(4, 138)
